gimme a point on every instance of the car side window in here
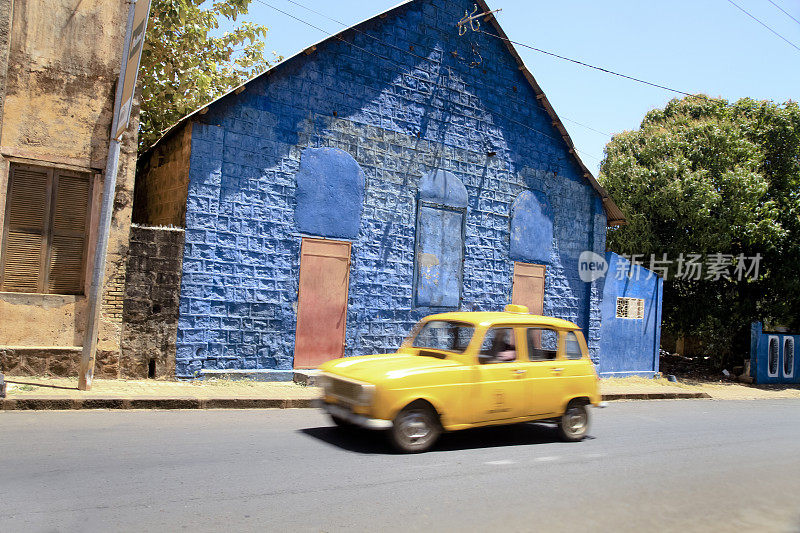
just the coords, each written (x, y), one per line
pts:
(499, 346)
(542, 344)
(444, 335)
(572, 348)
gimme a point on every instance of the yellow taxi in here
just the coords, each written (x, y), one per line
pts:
(467, 369)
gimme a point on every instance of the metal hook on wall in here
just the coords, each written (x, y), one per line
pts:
(462, 24)
(472, 19)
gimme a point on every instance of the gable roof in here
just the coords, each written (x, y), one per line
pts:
(614, 216)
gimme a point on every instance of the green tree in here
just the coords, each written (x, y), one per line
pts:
(186, 62)
(705, 176)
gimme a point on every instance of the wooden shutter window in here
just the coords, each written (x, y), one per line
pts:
(47, 214)
(68, 235)
(27, 209)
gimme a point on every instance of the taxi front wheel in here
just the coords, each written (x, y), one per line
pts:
(574, 423)
(415, 429)
(341, 422)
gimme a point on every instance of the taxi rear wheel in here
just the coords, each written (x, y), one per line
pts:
(574, 423)
(415, 429)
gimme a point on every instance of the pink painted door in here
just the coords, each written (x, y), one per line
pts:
(322, 302)
(528, 288)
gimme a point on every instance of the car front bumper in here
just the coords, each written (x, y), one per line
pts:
(355, 419)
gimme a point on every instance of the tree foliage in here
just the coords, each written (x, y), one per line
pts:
(186, 62)
(707, 176)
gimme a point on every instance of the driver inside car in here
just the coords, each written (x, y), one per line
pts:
(504, 348)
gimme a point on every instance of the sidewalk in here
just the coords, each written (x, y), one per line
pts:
(25, 393)
(647, 389)
(63, 393)
(716, 390)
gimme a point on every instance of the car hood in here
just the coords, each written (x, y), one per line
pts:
(373, 368)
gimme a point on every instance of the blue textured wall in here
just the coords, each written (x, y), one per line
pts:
(440, 254)
(330, 193)
(630, 346)
(399, 116)
(531, 228)
(444, 188)
(759, 356)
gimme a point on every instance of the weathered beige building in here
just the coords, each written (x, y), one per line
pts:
(59, 64)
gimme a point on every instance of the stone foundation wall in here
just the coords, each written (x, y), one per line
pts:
(150, 310)
(33, 361)
(55, 362)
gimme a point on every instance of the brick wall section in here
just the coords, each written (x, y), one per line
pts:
(114, 293)
(241, 258)
(162, 182)
(151, 301)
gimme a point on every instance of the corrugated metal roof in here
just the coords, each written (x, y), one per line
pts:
(614, 216)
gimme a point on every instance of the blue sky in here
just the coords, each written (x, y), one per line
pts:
(706, 46)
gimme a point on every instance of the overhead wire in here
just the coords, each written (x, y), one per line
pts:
(743, 10)
(784, 11)
(298, 4)
(603, 133)
(582, 63)
(405, 68)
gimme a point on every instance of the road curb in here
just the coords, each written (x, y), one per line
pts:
(70, 404)
(654, 396)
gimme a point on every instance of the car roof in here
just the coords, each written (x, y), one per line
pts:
(485, 318)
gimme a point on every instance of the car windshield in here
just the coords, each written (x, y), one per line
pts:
(443, 335)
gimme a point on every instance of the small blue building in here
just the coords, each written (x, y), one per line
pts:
(403, 167)
(630, 331)
(773, 355)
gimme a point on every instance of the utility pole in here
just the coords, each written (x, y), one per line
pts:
(138, 13)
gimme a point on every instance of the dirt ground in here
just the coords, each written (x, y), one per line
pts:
(718, 390)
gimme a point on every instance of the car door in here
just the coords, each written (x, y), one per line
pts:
(544, 366)
(500, 391)
(578, 375)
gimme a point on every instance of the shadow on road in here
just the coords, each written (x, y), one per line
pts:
(364, 441)
(351, 439)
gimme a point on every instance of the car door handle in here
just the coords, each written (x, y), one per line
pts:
(557, 370)
(520, 371)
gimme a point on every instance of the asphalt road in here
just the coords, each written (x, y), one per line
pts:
(659, 465)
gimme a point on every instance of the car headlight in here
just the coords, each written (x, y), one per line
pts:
(366, 394)
(345, 389)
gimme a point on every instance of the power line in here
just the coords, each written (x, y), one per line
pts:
(784, 11)
(298, 4)
(409, 74)
(601, 69)
(419, 57)
(604, 134)
(740, 8)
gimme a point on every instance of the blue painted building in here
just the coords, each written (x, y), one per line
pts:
(398, 169)
(630, 334)
(773, 355)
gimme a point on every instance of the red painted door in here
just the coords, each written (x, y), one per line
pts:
(322, 302)
(528, 288)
